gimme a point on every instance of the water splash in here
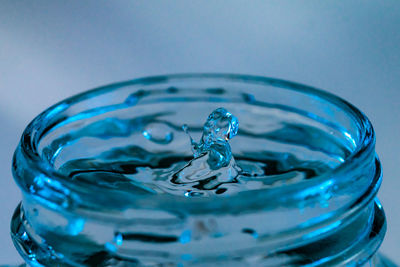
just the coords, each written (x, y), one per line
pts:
(213, 162)
(220, 127)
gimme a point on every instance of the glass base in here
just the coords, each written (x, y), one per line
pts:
(35, 252)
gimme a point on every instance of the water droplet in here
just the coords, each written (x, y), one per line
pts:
(158, 133)
(221, 125)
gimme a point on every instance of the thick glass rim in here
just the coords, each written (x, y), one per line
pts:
(29, 156)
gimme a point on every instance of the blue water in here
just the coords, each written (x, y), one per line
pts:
(154, 154)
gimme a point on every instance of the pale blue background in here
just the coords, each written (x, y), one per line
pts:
(52, 49)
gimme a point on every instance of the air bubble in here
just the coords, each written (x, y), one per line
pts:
(158, 133)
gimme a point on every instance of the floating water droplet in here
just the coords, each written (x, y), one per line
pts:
(158, 133)
(221, 125)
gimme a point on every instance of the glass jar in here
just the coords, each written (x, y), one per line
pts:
(85, 205)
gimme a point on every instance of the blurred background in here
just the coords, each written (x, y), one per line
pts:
(50, 50)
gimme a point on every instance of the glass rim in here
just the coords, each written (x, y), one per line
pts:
(32, 160)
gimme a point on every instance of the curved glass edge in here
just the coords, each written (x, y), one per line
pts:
(27, 140)
(27, 158)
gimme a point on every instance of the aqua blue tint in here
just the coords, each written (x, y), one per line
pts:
(110, 177)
